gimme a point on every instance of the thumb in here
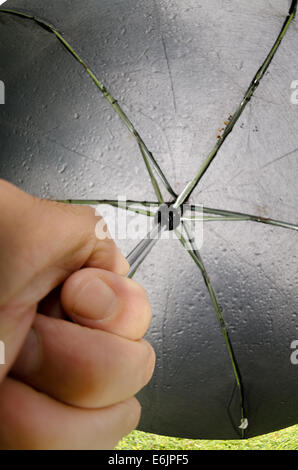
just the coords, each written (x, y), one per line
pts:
(41, 244)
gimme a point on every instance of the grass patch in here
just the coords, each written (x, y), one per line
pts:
(285, 439)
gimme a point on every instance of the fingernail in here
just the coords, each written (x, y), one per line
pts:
(30, 357)
(96, 301)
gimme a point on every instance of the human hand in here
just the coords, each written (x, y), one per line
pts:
(66, 384)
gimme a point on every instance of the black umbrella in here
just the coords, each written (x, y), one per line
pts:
(225, 365)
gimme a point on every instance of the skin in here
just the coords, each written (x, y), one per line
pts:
(72, 326)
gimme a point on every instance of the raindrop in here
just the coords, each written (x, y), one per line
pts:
(62, 168)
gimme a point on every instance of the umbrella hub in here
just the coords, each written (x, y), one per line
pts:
(168, 217)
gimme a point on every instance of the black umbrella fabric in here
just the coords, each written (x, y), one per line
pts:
(183, 117)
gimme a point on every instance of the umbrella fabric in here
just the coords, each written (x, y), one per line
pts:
(151, 101)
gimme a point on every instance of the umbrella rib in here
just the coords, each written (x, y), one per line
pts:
(206, 218)
(150, 172)
(143, 248)
(241, 216)
(235, 117)
(136, 210)
(126, 205)
(146, 154)
(195, 255)
(93, 202)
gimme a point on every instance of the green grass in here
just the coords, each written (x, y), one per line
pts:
(286, 439)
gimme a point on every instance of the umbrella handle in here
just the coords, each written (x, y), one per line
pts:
(142, 249)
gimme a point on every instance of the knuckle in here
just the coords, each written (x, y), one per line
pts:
(151, 362)
(148, 361)
(133, 413)
(138, 292)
